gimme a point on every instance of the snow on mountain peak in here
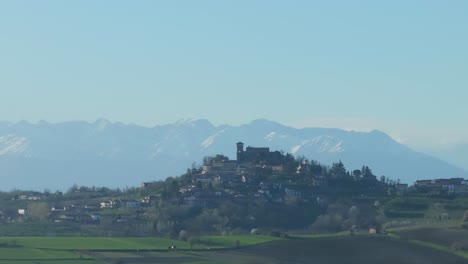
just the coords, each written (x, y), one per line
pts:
(328, 144)
(321, 144)
(12, 144)
(270, 136)
(296, 148)
(211, 139)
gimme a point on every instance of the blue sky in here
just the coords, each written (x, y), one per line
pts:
(397, 66)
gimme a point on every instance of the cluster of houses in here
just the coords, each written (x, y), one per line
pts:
(28, 197)
(79, 213)
(244, 173)
(458, 186)
(231, 178)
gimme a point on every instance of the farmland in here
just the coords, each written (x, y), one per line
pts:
(449, 239)
(147, 243)
(253, 249)
(21, 255)
(348, 249)
(93, 250)
(95, 243)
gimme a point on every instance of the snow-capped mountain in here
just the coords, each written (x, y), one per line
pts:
(13, 145)
(103, 153)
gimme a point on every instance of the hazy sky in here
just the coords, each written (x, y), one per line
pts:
(397, 66)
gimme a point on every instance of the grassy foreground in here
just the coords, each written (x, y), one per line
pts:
(71, 250)
(329, 248)
(33, 255)
(147, 243)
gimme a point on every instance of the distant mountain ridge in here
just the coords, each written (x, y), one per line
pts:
(455, 153)
(103, 153)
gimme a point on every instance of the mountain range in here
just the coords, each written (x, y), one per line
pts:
(55, 156)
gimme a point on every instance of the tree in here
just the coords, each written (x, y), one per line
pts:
(210, 160)
(353, 214)
(357, 174)
(327, 223)
(38, 211)
(383, 179)
(207, 160)
(366, 172)
(75, 188)
(338, 170)
(183, 235)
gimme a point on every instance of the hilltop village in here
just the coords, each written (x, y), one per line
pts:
(259, 190)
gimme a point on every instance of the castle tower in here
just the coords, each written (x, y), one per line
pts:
(240, 150)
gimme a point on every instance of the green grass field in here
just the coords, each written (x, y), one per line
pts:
(71, 250)
(344, 233)
(231, 241)
(27, 253)
(96, 243)
(219, 249)
(34, 255)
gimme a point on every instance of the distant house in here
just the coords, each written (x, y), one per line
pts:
(372, 231)
(34, 198)
(204, 179)
(187, 189)
(146, 184)
(22, 211)
(292, 193)
(452, 185)
(205, 169)
(107, 204)
(243, 179)
(58, 209)
(150, 199)
(95, 218)
(424, 183)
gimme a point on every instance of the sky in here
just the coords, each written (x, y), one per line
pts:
(397, 66)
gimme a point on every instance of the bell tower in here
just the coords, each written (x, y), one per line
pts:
(240, 151)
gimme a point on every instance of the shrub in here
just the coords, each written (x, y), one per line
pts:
(327, 223)
(183, 235)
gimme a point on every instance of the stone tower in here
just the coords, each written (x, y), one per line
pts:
(240, 150)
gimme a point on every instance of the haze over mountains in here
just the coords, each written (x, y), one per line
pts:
(458, 154)
(55, 156)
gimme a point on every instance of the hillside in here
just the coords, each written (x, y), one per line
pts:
(55, 156)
